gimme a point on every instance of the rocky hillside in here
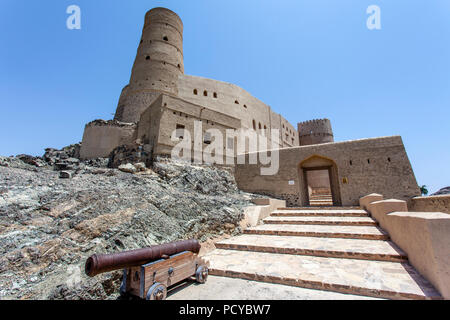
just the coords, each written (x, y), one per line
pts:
(56, 211)
(442, 191)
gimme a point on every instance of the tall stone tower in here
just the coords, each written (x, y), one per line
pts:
(315, 132)
(158, 64)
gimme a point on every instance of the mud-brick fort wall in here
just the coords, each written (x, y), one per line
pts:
(168, 114)
(228, 98)
(159, 70)
(359, 167)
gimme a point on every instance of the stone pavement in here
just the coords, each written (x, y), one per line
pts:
(328, 249)
(225, 288)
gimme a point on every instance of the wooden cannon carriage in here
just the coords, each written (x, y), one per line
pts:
(149, 272)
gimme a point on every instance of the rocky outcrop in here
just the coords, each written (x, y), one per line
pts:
(49, 226)
(123, 155)
(53, 156)
(101, 122)
(442, 191)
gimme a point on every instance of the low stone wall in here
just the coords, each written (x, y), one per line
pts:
(254, 215)
(364, 201)
(357, 167)
(101, 137)
(423, 236)
(430, 204)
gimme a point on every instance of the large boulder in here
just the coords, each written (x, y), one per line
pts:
(128, 168)
(52, 156)
(33, 161)
(128, 154)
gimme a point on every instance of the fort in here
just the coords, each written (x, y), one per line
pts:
(332, 220)
(313, 170)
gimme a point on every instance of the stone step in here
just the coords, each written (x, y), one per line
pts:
(325, 202)
(313, 246)
(320, 212)
(362, 277)
(319, 203)
(326, 208)
(321, 196)
(352, 232)
(226, 289)
(318, 220)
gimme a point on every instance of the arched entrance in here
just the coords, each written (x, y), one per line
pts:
(319, 182)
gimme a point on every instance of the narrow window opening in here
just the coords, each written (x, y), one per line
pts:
(180, 131)
(245, 106)
(254, 125)
(389, 159)
(195, 92)
(259, 126)
(351, 162)
(230, 143)
(147, 58)
(368, 161)
(165, 38)
(205, 93)
(215, 95)
(207, 139)
(236, 102)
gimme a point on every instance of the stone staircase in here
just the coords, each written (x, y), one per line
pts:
(327, 248)
(321, 200)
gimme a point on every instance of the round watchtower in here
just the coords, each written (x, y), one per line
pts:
(315, 132)
(158, 64)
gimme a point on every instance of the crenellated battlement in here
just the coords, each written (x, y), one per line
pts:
(315, 132)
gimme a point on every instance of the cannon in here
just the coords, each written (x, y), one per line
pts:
(149, 272)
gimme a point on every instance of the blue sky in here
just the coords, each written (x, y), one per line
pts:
(306, 59)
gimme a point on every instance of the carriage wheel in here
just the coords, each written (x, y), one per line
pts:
(201, 275)
(157, 291)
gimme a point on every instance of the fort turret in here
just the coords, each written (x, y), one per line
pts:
(315, 132)
(158, 64)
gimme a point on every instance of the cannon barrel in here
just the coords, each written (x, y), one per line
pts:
(101, 263)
